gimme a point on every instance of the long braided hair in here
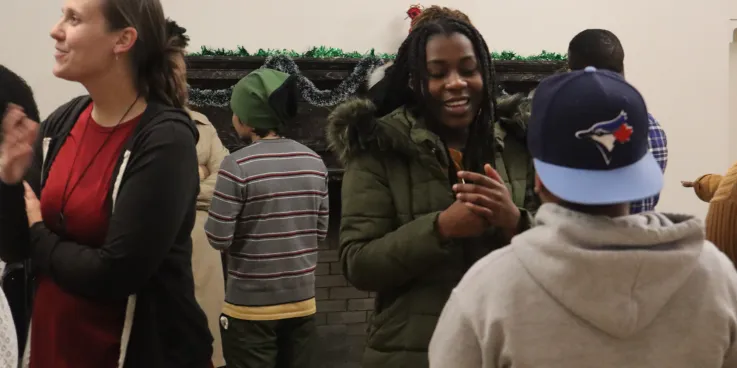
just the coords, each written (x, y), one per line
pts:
(407, 85)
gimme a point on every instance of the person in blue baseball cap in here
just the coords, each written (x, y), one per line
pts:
(591, 285)
(588, 138)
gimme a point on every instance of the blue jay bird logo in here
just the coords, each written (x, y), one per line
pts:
(606, 134)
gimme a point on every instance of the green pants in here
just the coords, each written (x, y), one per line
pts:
(286, 343)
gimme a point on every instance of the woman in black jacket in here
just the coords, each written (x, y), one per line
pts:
(116, 174)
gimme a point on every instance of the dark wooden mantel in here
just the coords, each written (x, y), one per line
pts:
(223, 71)
(219, 72)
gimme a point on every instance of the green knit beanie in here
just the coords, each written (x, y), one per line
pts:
(265, 99)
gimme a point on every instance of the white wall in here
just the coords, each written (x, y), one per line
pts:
(676, 54)
(28, 49)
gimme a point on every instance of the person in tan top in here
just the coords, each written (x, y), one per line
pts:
(721, 220)
(207, 266)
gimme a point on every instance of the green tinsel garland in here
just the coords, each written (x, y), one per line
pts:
(323, 52)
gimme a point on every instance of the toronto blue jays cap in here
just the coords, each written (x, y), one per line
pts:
(588, 136)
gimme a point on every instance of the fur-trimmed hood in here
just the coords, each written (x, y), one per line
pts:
(352, 127)
(345, 124)
(513, 112)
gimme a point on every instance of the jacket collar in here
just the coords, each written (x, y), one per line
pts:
(197, 117)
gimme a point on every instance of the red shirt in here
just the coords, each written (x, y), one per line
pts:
(69, 331)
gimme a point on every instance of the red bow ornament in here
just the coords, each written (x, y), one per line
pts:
(412, 13)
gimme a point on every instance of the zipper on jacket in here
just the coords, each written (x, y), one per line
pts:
(119, 178)
(45, 153)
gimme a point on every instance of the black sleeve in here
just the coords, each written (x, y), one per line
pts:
(13, 220)
(158, 191)
(14, 233)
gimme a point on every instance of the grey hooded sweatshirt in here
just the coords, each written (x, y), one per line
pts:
(579, 291)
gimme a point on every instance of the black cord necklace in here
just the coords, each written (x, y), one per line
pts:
(64, 195)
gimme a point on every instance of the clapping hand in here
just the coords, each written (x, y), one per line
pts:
(33, 205)
(204, 172)
(489, 198)
(16, 148)
(459, 221)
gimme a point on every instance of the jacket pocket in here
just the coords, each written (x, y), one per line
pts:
(385, 327)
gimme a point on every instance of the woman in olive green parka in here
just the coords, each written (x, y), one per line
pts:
(405, 233)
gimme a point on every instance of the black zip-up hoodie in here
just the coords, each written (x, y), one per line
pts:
(146, 257)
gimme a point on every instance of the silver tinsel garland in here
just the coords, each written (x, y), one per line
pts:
(210, 97)
(311, 94)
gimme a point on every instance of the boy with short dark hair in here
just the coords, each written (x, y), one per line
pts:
(602, 49)
(591, 285)
(268, 212)
(599, 48)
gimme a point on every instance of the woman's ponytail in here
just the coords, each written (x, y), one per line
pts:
(158, 80)
(151, 58)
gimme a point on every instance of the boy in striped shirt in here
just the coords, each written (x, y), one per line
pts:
(268, 212)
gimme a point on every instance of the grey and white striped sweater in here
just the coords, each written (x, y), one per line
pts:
(269, 210)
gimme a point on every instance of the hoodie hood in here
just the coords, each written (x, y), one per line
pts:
(353, 127)
(615, 273)
(157, 113)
